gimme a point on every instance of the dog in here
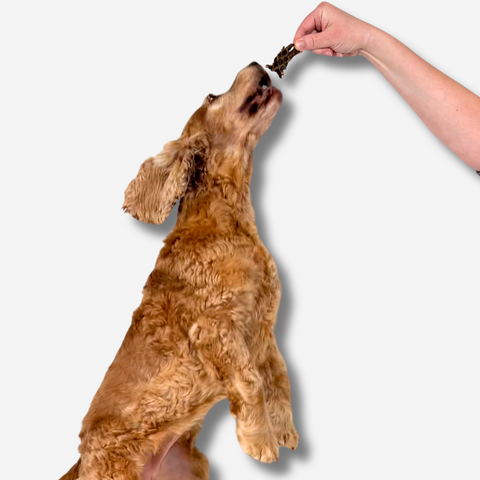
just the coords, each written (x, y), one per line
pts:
(204, 329)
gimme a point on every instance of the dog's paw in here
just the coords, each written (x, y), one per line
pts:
(261, 448)
(288, 438)
(284, 429)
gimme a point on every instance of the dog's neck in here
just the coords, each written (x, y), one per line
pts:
(219, 198)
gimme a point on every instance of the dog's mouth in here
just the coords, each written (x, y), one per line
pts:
(264, 91)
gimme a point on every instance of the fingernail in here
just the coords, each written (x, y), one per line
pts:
(300, 45)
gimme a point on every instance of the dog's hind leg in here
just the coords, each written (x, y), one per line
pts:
(121, 454)
(118, 463)
(175, 457)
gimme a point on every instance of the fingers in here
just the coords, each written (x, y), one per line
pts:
(325, 51)
(328, 52)
(316, 41)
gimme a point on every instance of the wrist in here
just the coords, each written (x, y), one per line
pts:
(374, 38)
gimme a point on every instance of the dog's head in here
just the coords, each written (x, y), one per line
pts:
(218, 140)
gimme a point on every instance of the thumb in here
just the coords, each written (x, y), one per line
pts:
(313, 42)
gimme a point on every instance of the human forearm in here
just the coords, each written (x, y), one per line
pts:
(448, 109)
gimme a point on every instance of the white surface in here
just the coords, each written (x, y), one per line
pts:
(373, 223)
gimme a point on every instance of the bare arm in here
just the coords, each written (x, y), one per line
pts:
(449, 110)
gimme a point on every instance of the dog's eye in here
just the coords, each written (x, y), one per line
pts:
(211, 97)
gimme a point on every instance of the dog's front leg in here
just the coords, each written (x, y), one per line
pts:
(245, 392)
(277, 392)
(248, 406)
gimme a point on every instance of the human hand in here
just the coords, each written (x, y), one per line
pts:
(332, 32)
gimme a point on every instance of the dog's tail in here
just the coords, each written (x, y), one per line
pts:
(72, 474)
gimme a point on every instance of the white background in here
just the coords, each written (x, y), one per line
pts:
(373, 223)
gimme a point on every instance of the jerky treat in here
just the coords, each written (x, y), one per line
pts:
(281, 60)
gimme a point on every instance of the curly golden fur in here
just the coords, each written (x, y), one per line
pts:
(204, 329)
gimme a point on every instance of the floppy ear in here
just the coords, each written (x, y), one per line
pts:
(163, 179)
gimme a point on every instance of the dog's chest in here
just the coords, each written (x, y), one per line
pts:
(234, 272)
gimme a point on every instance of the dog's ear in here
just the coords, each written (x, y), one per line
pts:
(163, 179)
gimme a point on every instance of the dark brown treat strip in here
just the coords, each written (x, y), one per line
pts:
(281, 60)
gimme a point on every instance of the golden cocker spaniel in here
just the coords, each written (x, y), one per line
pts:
(204, 329)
